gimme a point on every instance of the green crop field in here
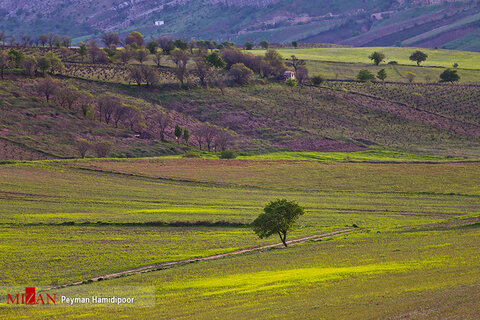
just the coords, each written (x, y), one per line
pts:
(414, 253)
(395, 73)
(437, 58)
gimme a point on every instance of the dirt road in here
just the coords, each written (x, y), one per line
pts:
(164, 265)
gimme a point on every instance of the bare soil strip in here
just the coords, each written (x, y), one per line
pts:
(164, 265)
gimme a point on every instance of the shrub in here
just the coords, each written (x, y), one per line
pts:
(392, 62)
(240, 74)
(365, 75)
(317, 80)
(449, 75)
(228, 154)
(102, 148)
(191, 154)
(248, 45)
(382, 74)
(291, 83)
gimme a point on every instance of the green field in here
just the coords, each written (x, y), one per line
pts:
(395, 73)
(437, 58)
(416, 250)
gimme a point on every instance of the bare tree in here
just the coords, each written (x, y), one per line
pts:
(126, 54)
(65, 41)
(51, 38)
(222, 140)
(83, 146)
(218, 81)
(47, 87)
(43, 39)
(25, 40)
(67, 96)
(94, 51)
(119, 113)
(197, 136)
(133, 117)
(159, 124)
(102, 148)
(202, 69)
(4, 62)
(110, 38)
(180, 58)
(106, 107)
(302, 74)
(3, 38)
(142, 55)
(295, 63)
(150, 75)
(163, 43)
(158, 58)
(136, 74)
(207, 134)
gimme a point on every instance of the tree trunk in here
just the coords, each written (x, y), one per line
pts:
(283, 238)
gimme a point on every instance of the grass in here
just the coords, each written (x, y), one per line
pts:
(72, 253)
(395, 73)
(412, 248)
(437, 58)
(360, 276)
(275, 116)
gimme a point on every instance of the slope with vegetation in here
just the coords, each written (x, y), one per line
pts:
(132, 101)
(449, 24)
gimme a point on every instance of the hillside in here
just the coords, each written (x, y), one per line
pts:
(423, 23)
(414, 118)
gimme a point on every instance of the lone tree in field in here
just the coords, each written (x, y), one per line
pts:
(382, 74)
(418, 56)
(264, 44)
(449, 75)
(377, 57)
(279, 217)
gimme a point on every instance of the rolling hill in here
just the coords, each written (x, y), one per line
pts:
(421, 23)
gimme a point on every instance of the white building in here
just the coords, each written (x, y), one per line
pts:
(159, 23)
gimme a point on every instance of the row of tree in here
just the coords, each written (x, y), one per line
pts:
(116, 112)
(417, 56)
(448, 75)
(51, 40)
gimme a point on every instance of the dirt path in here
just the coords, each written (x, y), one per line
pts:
(164, 265)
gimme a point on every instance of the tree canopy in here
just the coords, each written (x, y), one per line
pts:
(365, 75)
(377, 57)
(418, 56)
(279, 217)
(449, 75)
